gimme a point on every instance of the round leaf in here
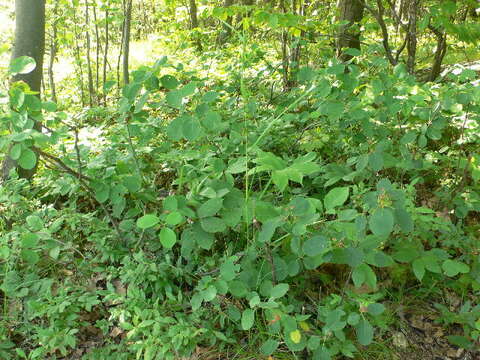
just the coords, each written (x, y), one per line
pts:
(168, 238)
(147, 221)
(27, 159)
(381, 222)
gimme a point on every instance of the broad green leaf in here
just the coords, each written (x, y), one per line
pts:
(279, 290)
(248, 318)
(174, 218)
(191, 128)
(174, 99)
(210, 207)
(316, 245)
(404, 220)
(147, 221)
(381, 222)
(269, 347)
(133, 183)
(364, 332)
(30, 240)
(228, 269)
(336, 197)
(376, 309)
(418, 269)
(30, 256)
(22, 65)
(175, 128)
(34, 223)
(16, 151)
(375, 160)
(453, 267)
(268, 229)
(168, 238)
(27, 159)
(169, 82)
(213, 224)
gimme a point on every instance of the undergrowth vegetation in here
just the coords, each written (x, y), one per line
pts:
(194, 221)
(215, 215)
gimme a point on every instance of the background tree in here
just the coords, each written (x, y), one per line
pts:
(29, 41)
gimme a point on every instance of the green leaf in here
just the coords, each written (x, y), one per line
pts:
(213, 224)
(228, 269)
(364, 332)
(175, 128)
(16, 151)
(336, 197)
(381, 222)
(376, 309)
(170, 203)
(28, 159)
(460, 341)
(375, 160)
(141, 102)
(248, 318)
(22, 65)
(49, 106)
(280, 179)
(174, 99)
(279, 290)
(174, 218)
(30, 256)
(168, 238)
(295, 336)
(147, 221)
(210, 207)
(453, 267)
(34, 223)
(191, 128)
(169, 82)
(29, 240)
(133, 183)
(418, 269)
(268, 229)
(404, 220)
(316, 245)
(269, 347)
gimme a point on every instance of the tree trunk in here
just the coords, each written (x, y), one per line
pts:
(29, 41)
(439, 53)
(78, 61)
(97, 52)
(89, 64)
(105, 55)
(53, 55)
(126, 39)
(412, 35)
(193, 14)
(227, 28)
(348, 36)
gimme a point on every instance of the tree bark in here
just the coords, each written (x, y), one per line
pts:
(126, 39)
(53, 55)
(348, 36)
(105, 54)
(440, 52)
(412, 36)
(29, 41)
(89, 64)
(227, 28)
(193, 14)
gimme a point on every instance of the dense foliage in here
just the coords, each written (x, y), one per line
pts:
(226, 204)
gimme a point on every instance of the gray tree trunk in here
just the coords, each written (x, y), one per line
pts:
(29, 41)
(348, 36)
(126, 40)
